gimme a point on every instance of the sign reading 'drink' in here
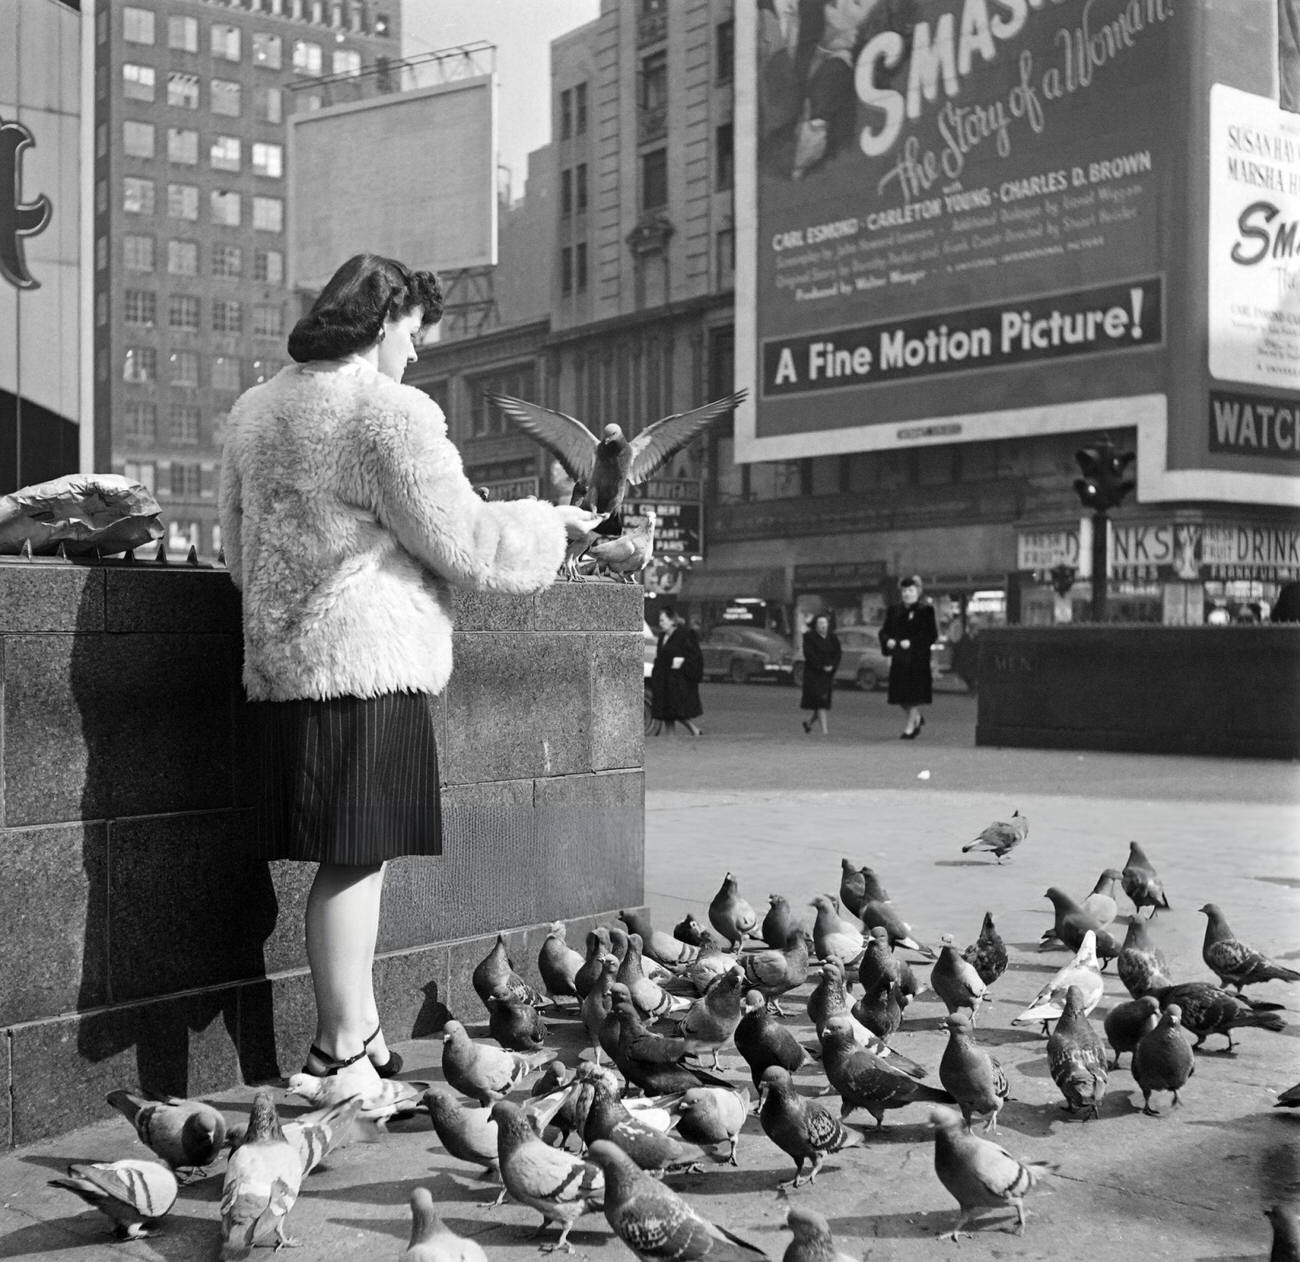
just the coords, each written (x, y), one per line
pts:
(1085, 322)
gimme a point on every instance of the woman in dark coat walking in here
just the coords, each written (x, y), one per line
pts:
(675, 676)
(821, 659)
(906, 637)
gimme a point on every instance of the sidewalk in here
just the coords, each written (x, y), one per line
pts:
(1187, 1185)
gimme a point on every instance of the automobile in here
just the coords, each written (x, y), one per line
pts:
(744, 653)
(862, 663)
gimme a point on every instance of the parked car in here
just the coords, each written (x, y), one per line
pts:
(744, 653)
(863, 664)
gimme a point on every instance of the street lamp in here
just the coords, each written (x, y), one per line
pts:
(1104, 485)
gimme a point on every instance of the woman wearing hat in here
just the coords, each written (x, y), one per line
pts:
(905, 638)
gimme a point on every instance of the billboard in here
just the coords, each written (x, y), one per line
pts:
(44, 342)
(410, 175)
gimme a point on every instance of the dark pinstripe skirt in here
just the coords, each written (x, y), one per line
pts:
(348, 780)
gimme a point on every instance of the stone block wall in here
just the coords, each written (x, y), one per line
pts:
(145, 945)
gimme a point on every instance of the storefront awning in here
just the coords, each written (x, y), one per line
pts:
(706, 584)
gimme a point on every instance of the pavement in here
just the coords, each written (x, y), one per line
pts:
(757, 797)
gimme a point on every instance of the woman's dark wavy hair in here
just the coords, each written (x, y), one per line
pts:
(350, 311)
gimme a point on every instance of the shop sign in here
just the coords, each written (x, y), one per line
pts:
(839, 576)
(679, 529)
(1195, 552)
(1266, 553)
(1043, 549)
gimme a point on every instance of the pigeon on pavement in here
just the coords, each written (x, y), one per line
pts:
(833, 935)
(773, 973)
(710, 1116)
(955, 980)
(882, 912)
(712, 1019)
(867, 1081)
(597, 1012)
(432, 1240)
(988, 953)
(970, 1075)
(1236, 963)
(657, 945)
(763, 1041)
(494, 977)
(799, 1126)
(1000, 837)
(481, 1071)
(1140, 882)
(133, 1194)
(812, 1241)
(879, 1009)
(1072, 922)
(1101, 904)
(1127, 1022)
(689, 930)
(878, 964)
(1210, 1010)
(730, 915)
(1288, 1099)
(652, 1061)
(186, 1134)
(1076, 1058)
(609, 1118)
(516, 1025)
(694, 978)
(652, 1000)
(1141, 964)
(467, 1133)
(1083, 971)
(853, 886)
(657, 1224)
(979, 1173)
(778, 922)
(1163, 1059)
(381, 1099)
(598, 951)
(262, 1180)
(560, 1186)
(558, 964)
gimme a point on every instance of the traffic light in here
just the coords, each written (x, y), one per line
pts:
(1105, 480)
(1063, 577)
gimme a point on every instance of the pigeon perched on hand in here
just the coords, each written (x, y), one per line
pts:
(1141, 964)
(1083, 971)
(1072, 922)
(1163, 1059)
(494, 977)
(799, 1126)
(132, 1194)
(1076, 1058)
(481, 1071)
(630, 552)
(762, 1040)
(186, 1134)
(1236, 963)
(262, 1180)
(730, 915)
(979, 1173)
(710, 1116)
(970, 1075)
(657, 1224)
(432, 1240)
(1126, 1023)
(559, 1185)
(1210, 1010)
(1140, 882)
(988, 953)
(1000, 837)
(812, 1241)
(610, 464)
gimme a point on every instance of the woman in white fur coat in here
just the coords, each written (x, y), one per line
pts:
(346, 518)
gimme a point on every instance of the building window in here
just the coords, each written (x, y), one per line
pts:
(140, 422)
(183, 202)
(140, 364)
(101, 253)
(267, 50)
(726, 259)
(580, 110)
(268, 214)
(654, 179)
(143, 473)
(101, 309)
(724, 46)
(724, 157)
(101, 197)
(566, 270)
(225, 208)
(306, 57)
(183, 313)
(184, 368)
(268, 159)
(268, 321)
(137, 253)
(137, 196)
(227, 316)
(101, 140)
(268, 266)
(486, 418)
(267, 107)
(183, 34)
(225, 153)
(566, 193)
(185, 424)
(225, 41)
(183, 146)
(137, 25)
(566, 114)
(137, 139)
(183, 90)
(183, 258)
(654, 81)
(138, 82)
(347, 61)
(225, 373)
(140, 307)
(186, 480)
(224, 95)
(227, 260)
(580, 266)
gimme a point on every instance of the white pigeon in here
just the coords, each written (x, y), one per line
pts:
(380, 1100)
(1083, 971)
(630, 553)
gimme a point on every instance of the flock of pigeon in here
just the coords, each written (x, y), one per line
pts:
(642, 1104)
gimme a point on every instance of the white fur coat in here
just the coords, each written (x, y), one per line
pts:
(345, 517)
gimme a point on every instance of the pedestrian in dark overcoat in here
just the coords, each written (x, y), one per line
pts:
(821, 659)
(905, 638)
(675, 676)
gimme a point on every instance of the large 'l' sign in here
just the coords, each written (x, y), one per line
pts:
(18, 219)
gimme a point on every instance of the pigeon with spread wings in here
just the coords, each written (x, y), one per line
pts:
(609, 464)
